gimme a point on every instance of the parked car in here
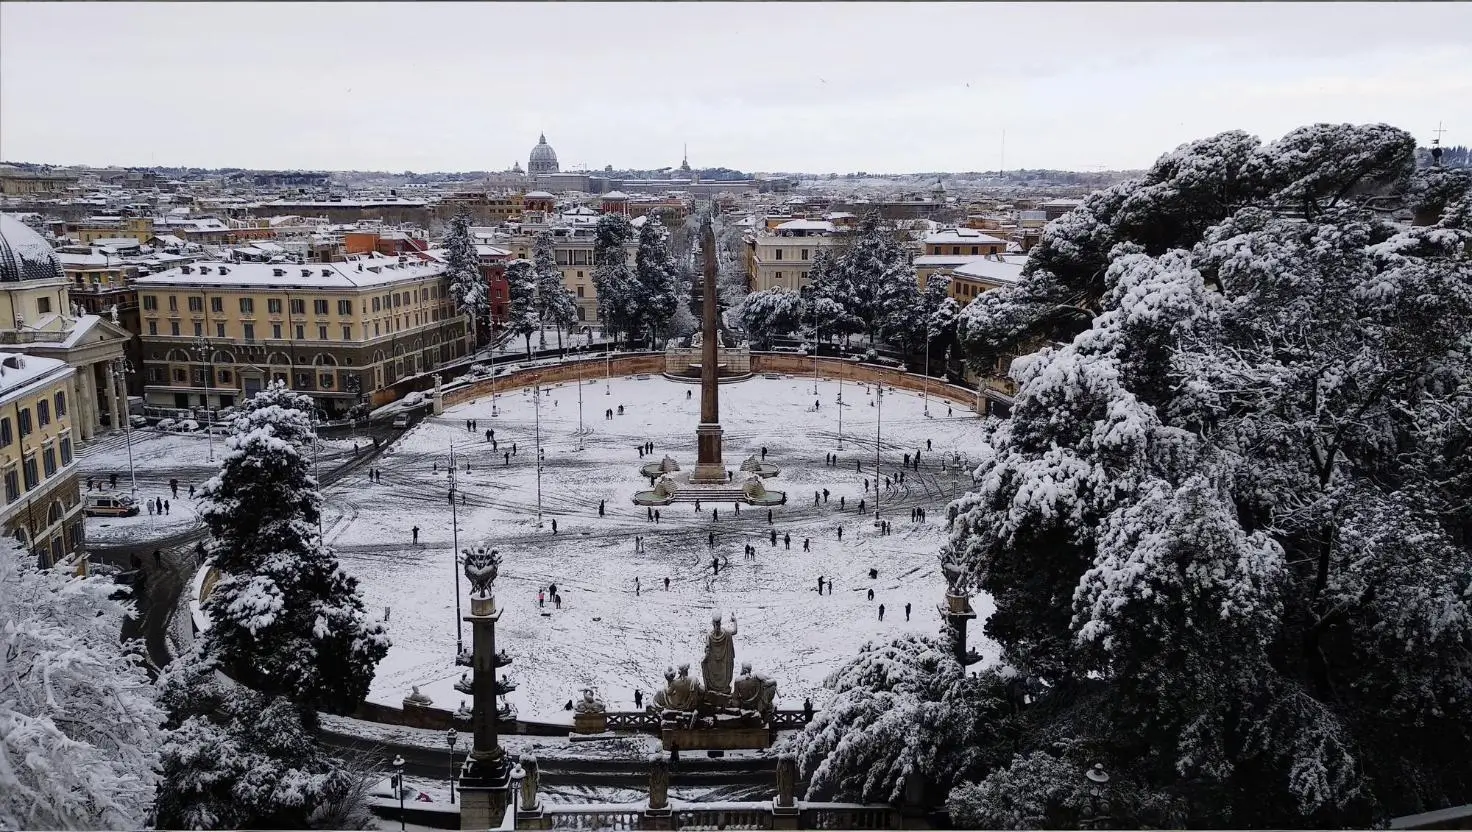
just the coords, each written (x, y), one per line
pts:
(138, 421)
(401, 420)
(110, 505)
(166, 424)
(187, 426)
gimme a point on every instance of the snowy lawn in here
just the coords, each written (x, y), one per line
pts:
(607, 636)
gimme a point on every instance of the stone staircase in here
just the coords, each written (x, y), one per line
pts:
(718, 494)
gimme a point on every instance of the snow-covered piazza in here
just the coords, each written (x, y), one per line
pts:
(618, 628)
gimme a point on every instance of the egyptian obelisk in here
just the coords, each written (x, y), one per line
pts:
(708, 465)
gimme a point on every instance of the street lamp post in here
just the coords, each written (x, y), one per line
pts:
(398, 765)
(538, 389)
(840, 408)
(608, 364)
(204, 350)
(1097, 812)
(123, 369)
(580, 403)
(925, 379)
(494, 413)
(450, 737)
(878, 431)
(455, 557)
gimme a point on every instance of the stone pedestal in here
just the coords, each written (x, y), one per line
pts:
(484, 806)
(591, 723)
(708, 468)
(716, 739)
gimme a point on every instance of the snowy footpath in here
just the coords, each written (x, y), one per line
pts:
(618, 626)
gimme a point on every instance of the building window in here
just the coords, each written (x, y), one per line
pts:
(778, 254)
(250, 332)
(179, 376)
(66, 450)
(198, 329)
(377, 307)
(173, 328)
(217, 304)
(580, 291)
(12, 486)
(779, 277)
(48, 461)
(29, 468)
(155, 374)
(955, 249)
(301, 334)
(43, 305)
(225, 377)
(276, 331)
(804, 254)
(150, 302)
(25, 422)
(219, 330)
(6, 435)
(273, 305)
(321, 333)
(344, 307)
(375, 329)
(196, 304)
(319, 306)
(43, 413)
(324, 381)
(347, 333)
(173, 303)
(580, 274)
(247, 306)
(298, 306)
(153, 327)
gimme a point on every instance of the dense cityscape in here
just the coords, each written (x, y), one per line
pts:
(1010, 498)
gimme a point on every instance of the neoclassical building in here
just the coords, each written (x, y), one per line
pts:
(38, 318)
(543, 159)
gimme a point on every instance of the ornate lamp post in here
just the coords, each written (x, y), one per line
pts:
(206, 353)
(538, 389)
(1096, 813)
(878, 433)
(925, 379)
(450, 737)
(398, 765)
(485, 774)
(580, 403)
(607, 363)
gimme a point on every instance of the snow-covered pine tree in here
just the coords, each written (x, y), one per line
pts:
(468, 290)
(770, 313)
(826, 311)
(659, 294)
(521, 316)
(80, 729)
(1249, 472)
(555, 304)
(904, 709)
(239, 759)
(285, 618)
(875, 278)
(613, 279)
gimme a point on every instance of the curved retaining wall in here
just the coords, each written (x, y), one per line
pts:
(628, 364)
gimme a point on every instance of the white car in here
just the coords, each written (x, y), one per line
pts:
(401, 420)
(166, 424)
(187, 426)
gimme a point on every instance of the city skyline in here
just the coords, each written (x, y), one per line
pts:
(882, 88)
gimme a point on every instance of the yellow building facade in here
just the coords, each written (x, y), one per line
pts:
(38, 463)
(215, 333)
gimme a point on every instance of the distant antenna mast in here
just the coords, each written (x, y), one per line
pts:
(1436, 145)
(1002, 165)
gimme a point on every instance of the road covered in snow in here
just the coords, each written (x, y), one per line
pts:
(607, 636)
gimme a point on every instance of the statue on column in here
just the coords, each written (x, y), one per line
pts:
(786, 779)
(481, 567)
(529, 783)
(659, 781)
(719, 663)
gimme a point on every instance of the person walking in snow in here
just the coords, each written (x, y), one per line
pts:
(806, 544)
(881, 612)
(174, 487)
(554, 525)
(191, 491)
(166, 506)
(541, 598)
(415, 531)
(907, 610)
(600, 507)
(871, 595)
(774, 537)
(787, 541)
(840, 532)
(666, 584)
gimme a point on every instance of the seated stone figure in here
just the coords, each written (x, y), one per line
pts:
(680, 693)
(751, 464)
(665, 487)
(753, 488)
(754, 692)
(661, 697)
(589, 704)
(668, 464)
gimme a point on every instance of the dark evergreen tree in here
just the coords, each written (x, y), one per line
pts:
(658, 280)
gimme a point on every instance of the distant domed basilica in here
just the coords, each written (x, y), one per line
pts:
(543, 158)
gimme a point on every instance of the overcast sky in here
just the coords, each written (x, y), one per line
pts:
(759, 87)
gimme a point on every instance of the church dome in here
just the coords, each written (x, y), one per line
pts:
(24, 254)
(543, 158)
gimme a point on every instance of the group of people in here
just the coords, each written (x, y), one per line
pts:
(549, 592)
